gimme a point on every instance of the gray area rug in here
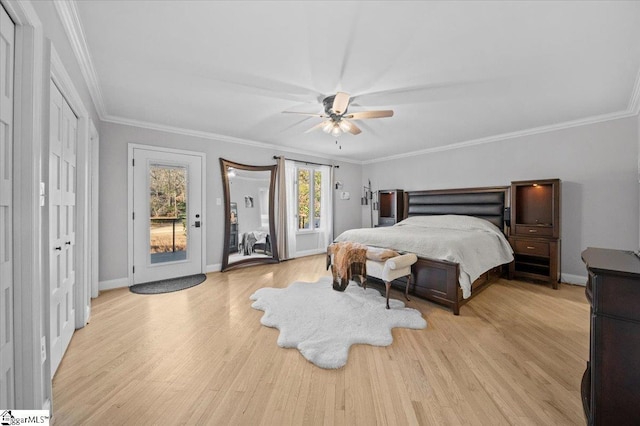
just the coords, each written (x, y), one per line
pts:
(167, 286)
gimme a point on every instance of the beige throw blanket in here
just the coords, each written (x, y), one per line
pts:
(347, 260)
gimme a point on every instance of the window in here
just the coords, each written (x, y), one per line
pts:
(309, 198)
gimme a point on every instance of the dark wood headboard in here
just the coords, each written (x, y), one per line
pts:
(486, 203)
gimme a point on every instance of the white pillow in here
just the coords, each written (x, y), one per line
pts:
(450, 221)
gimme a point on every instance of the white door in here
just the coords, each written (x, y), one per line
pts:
(167, 215)
(6, 182)
(63, 128)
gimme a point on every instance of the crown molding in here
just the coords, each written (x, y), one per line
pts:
(68, 13)
(634, 101)
(219, 138)
(512, 135)
(22, 13)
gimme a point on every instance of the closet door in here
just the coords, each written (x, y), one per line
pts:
(62, 224)
(6, 205)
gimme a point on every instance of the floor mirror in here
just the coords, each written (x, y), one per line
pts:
(249, 199)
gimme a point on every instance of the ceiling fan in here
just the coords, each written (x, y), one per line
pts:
(338, 119)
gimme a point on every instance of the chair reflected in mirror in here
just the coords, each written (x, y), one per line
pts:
(255, 242)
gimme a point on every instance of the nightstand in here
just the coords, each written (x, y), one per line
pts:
(535, 225)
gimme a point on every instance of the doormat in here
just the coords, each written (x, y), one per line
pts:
(167, 286)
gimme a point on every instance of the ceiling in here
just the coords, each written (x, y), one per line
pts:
(455, 73)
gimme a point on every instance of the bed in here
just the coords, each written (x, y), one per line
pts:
(449, 276)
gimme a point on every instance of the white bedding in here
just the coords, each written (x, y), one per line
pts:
(475, 244)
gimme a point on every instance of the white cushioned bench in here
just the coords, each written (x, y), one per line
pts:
(391, 269)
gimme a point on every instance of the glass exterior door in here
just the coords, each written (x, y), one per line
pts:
(167, 221)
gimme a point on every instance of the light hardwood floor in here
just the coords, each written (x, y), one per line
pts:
(515, 355)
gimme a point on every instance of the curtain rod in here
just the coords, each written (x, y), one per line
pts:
(275, 157)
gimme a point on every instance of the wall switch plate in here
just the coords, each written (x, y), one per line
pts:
(218, 202)
(344, 195)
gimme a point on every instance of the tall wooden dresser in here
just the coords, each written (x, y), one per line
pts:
(611, 383)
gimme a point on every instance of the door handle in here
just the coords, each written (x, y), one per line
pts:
(58, 248)
(197, 224)
(68, 243)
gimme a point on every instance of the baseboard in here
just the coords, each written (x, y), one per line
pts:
(309, 252)
(216, 267)
(111, 284)
(573, 279)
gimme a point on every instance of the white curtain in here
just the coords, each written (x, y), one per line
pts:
(292, 220)
(263, 204)
(325, 231)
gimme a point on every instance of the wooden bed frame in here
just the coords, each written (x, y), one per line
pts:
(437, 280)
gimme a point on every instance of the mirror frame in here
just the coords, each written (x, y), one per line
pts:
(224, 165)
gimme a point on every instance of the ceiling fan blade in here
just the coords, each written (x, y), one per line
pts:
(340, 103)
(354, 130)
(367, 128)
(317, 126)
(370, 114)
(313, 114)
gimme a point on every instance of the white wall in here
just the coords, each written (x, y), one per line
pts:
(597, 163)
(114, 139)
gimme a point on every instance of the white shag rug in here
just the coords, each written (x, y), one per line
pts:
(323, 323)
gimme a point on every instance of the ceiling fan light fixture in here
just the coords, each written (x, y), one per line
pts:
(345, 126)
(336, 118)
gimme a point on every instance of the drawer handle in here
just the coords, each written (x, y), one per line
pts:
(531, 248)
(533, 230)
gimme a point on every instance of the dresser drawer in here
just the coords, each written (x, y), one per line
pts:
(533, 248)
(612, 296)
(534, 231)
